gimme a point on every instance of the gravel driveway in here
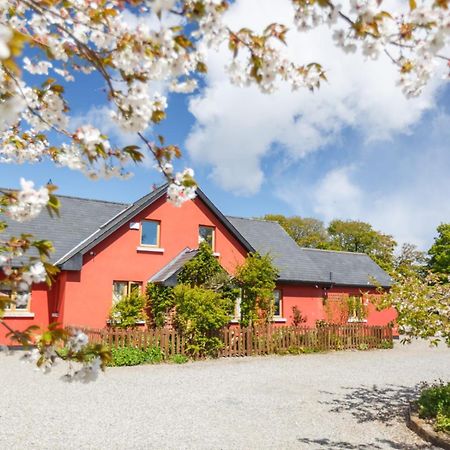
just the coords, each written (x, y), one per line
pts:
(342, 400)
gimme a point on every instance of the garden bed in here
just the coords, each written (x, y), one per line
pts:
(430, 415)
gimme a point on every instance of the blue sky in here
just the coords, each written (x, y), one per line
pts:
(357, 149)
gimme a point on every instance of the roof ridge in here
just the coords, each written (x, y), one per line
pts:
(93, 199)
(254, 219)
(333, 251)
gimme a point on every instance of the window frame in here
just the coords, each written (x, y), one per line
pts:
(213, 228)
(128, 283)
(12, 308)
(352, 317)
(280, 315)
(158, 234)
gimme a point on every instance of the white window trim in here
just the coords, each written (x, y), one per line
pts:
(213, 228)
(356, 320)
(279, 319)
(16, 313)
(149, 249)
(158, 234)
(19, 312)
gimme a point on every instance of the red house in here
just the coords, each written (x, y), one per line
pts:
(103, 249)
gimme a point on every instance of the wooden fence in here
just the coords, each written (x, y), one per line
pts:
(254, 341)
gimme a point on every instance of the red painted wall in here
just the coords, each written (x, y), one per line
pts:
(41, 300)
(88, 294)
(84, 298)
(309, 300)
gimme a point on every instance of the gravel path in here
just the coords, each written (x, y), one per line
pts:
(342, 400)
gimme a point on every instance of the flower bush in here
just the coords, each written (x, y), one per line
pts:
(434, 403)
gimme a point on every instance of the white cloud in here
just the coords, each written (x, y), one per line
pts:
(407, 199)
(237, 127)
(336, 196)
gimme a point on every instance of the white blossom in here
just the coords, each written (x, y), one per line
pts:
(177, 192)
(39, 68)
(36, 273)
(77, 341)
(5, 36)
(29, 202)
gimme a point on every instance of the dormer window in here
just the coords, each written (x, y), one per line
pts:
(206, 234)
(150, 233)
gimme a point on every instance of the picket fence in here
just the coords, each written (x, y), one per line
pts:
(241, 341)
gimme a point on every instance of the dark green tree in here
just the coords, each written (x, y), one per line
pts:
(306, 231)
(357, 236)
(201, 269)
(440, 251)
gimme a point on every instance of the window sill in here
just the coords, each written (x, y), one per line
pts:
(216, 254)
(18, 314)
(138, 322)
(279, 320)
(142, 248)
(234, 321)
(357, 321)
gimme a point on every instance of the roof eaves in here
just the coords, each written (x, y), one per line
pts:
(228, 225)
(113, 224)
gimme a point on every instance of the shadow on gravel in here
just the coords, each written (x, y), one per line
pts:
(327, 443)
(384, 404)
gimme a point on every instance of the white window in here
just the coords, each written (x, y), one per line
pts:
(123, 288)
(150, 233)
(19, 301)
(206, 234)
(357, 308)
(277, 303)
(237, 309)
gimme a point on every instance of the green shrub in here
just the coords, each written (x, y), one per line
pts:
(154, 355)
(160, 301)
(386, 343)
(363, 346)
(434, 403)
(294, 350)
(256, 277)
(201, 269)
(132, 356)
(442, 422)
(179, 359)
(129, 310)
(200, 314)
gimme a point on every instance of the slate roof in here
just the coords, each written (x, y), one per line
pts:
(84, 223)
(296, 264)
(79, 218)
(168, 274)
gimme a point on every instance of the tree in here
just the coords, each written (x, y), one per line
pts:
(306, 231)
(440, 251)
(256, 277)
(423, 306)
(201, 269)
(356, 236)
(46, 45)
(410, 260)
